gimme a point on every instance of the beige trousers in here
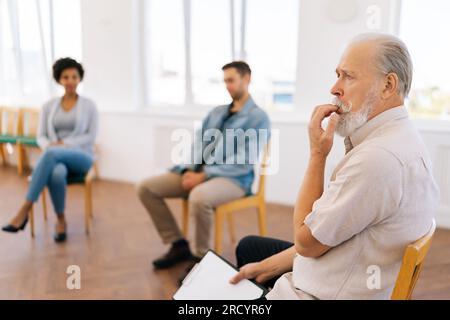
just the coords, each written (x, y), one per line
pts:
(202, 201)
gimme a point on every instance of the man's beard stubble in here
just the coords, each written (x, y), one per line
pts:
(349, 122)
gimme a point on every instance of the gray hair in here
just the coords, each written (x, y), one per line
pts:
(393, 57)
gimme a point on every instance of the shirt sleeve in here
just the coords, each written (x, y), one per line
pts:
(367, 190)
(195, 157)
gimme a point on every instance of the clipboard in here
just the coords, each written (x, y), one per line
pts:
(209, 280)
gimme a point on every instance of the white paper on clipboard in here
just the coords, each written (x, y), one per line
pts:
(209, 280)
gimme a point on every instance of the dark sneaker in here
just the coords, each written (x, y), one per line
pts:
(176, 254)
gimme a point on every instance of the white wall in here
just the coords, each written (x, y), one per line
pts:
(136, 144)
(325, 26)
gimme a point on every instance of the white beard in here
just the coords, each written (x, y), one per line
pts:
(350, 121)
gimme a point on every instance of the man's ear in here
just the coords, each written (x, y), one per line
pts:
(390, 85)
(247, 77)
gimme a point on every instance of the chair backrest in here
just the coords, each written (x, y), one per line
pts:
(29, 122)
(413, 259)
(9, 121)
(262, 171)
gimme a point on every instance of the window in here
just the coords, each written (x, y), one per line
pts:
(271, 49)
(190, 40)
(165, 27)
(424, 27)
(32, 34)
(211, 49)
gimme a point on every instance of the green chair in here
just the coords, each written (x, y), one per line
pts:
(9, 129)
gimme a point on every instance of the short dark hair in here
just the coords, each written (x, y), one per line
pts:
(241, 67)
(66, 63)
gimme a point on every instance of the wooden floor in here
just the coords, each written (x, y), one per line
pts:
(115, 260)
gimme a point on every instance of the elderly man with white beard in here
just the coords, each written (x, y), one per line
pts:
(380, 198)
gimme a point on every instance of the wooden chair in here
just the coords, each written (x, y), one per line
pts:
(9, 129)
(28, 126)
(412, 263)
(226, 210)
(2, 151)
(88, 210)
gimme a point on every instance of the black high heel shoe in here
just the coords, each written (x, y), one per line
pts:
(13, 229)
(60, 236)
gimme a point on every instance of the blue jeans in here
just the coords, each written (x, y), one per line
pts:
(52, 169)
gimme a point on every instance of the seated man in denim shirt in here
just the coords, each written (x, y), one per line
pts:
(223, 173)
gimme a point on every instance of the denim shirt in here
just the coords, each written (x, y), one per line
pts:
(249, 117)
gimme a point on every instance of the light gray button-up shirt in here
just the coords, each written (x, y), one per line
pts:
(382, 197)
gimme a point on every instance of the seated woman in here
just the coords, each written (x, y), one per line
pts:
(66, 134)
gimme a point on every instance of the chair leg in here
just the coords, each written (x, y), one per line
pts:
(219, 231)
(262, 219)
(96, 170)
(231, 227)
(20, 160)
(3, 155)
(31, 217)
(185, 217)
(44, 203)
(25, 159)
(87, 205)
(90, 203)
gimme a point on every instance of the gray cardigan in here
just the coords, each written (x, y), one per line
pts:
(86, 126)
